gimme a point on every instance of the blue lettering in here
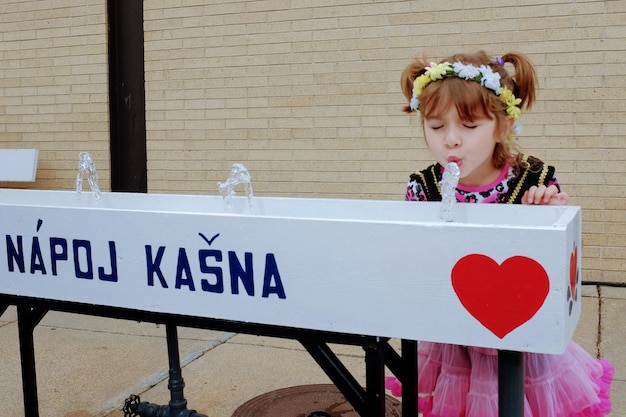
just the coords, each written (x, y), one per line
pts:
(154, 267)
(55, 256)
(36, 259)
(78, 244)
(112, 277)
(238, 272)
(271, 271)
(81, 250)
(212, 271)
(15, 255)
(218, 286)
(184, 270)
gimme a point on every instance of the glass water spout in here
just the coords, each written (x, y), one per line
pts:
(86, 167)
(449, 181)
(238, 175)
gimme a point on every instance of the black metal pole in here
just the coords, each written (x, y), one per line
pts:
(375, 377)
(510, 384)
(409, 380)
(127, 102)
(176, 383)
(178, 404)
(337, 372)
(27, 320)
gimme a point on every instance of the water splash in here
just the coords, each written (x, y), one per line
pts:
(238, 175)
(449, 182)
(87, 167)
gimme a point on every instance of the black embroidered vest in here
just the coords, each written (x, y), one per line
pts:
(532, 171)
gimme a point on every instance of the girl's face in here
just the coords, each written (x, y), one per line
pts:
(468, 143)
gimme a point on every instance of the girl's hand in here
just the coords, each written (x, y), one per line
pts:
(543, 195)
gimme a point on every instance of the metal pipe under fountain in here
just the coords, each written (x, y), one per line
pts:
(177, 407)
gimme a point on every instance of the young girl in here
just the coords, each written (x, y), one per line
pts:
(470, 107)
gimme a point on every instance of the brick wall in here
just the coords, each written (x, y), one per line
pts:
(306, 94)
(54, 85)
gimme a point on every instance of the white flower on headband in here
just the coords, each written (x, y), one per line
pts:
(467, 72)
(490, 79)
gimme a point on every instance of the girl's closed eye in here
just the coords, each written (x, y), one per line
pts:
(473, 123)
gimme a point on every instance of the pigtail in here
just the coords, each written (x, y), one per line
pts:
(525, 80)
(410, 73)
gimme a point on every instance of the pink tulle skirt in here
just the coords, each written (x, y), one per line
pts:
(461, 381)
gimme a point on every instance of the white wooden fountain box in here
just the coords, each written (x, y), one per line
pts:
(500, 276)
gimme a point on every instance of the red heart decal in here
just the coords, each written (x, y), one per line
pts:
(573, 272)
(500, 297)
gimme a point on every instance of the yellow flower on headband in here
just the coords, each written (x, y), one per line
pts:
(433, 72)
(506, 95)
(437, 71)
(511, 102)
(419, 84)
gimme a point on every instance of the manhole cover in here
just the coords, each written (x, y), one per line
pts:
(320, 400)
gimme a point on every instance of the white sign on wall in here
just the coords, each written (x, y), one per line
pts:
(18, 164)
(500, 276)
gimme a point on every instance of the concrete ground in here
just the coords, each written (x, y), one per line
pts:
(87, 366)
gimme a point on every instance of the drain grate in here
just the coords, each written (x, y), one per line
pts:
(319, 400)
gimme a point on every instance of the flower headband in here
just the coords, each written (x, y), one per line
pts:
(483, 75)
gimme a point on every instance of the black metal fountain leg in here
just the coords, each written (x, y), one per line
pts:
(178, 404)
(27, 320)
(510, 384)
(176, 383)
(405, 369)
(409, 380)
(338, 373)
(375, 377)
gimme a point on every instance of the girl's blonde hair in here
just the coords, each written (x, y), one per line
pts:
(471, 99)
